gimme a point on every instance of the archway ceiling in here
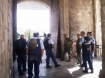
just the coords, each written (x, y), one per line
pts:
(31, 5)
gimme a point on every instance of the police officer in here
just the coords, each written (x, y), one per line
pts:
(34, 56)
(20, 45)
(87, 52)
(49, 45)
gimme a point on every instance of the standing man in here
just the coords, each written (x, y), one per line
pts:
(86, 45)
(49, 45)
(45, 37)
(35, 50)
(82, 35)
(20, 50)
(78, 49)
(68, 43)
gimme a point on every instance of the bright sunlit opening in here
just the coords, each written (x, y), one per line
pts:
(33, 20)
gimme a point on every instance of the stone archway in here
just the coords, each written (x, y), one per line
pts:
(54, 10)
(38, 1)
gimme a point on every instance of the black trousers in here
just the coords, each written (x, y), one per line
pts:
(50, 54)
(88, 58)
(69, 53)
(36, 62)
(21, 62)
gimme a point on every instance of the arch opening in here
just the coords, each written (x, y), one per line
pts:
(32, 17)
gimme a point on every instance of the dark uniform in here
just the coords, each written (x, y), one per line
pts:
(78, 49)
(67, 48)
(20, 51)
(87, 53)
(49, 53)
(34, 58)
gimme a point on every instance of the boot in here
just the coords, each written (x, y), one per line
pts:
(69, 59)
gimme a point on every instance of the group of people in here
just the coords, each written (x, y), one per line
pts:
(85, 47)
(35, 47)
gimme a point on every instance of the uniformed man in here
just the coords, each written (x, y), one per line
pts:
(34, 56)
(86, 44)
(49, 46)
(68, 43)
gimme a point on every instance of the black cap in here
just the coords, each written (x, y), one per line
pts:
(48, 35)
(36, 34)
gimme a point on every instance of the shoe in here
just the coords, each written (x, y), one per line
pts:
(82, 65)
(29, 76)
(68, 61)
(36, 76)
(57, 65)
(48, 67)
(61, 59)
(92, 71)
(24, 71)
(77, 62)
(85, 71)
(20, 74)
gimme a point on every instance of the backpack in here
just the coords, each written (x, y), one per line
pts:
(67, 43)
(18, 45)
(47, 45)
(33, 43)
(87, 44)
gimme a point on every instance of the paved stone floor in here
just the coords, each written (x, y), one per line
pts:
(67, 70)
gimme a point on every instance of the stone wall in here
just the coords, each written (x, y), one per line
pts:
(102, 72)
(5, 38)
(54, 22)
(75, 16)
(80, 16)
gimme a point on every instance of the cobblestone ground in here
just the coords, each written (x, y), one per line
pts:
(67, 70)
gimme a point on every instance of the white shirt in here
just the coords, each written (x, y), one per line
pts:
(50, 41)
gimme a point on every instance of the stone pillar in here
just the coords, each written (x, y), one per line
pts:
(14, 15)
(64, 20)
(97, 22)
(14, 26)
(54, 21)
(102, 72)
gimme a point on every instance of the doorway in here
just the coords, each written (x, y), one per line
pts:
(32, 17)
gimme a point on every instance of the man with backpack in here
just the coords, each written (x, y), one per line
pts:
(68, 43)
(86, 44)
(35, 50)
(49, 45)
(20, 49)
